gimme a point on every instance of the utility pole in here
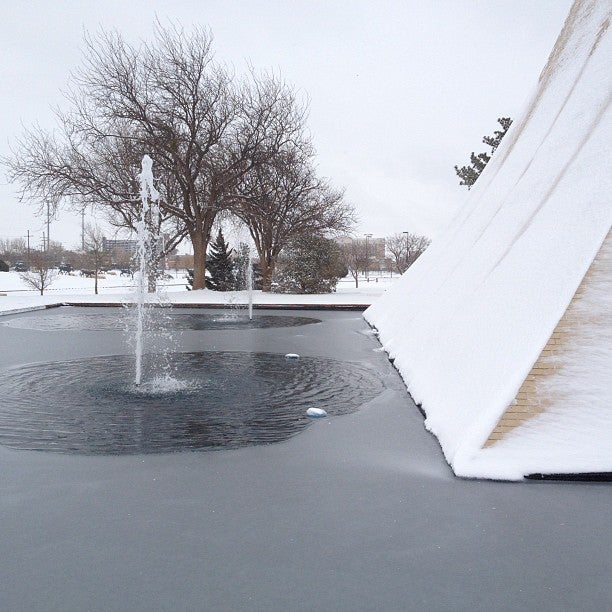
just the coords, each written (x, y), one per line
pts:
(367, 270)
(83, 230)
(48, 225)
(407, 248)
(28, 237)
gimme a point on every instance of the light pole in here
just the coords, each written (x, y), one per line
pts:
(48, 226)
(83, 230)
(28, 236)
(406, 262)
(367, 254)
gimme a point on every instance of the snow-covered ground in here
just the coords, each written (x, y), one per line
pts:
(74, 288)
(467, 322)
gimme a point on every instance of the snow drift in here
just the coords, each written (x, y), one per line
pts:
(469, 319)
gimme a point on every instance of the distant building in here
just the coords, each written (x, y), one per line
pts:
(375, 247)
(127, 247)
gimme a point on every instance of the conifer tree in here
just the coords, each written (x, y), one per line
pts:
(469, 174)
(220, 266)
(493, 141)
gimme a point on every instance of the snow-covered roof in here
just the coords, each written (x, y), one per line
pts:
(469, 319)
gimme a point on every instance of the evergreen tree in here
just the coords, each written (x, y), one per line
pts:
(189, 278)
(493, 141)
(312, 264)
(469, 174)
(220, 266)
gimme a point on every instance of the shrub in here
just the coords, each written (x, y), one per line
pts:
(312, 264)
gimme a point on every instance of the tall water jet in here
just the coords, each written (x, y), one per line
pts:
(147, 239)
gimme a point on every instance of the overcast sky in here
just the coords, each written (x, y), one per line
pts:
(399, 91)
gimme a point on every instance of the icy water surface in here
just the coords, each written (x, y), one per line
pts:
(176, 321)
(212, 400)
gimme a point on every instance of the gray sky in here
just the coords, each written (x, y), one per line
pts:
(400, 91)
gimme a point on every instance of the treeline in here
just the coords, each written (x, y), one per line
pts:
(222, 145)
(311, 263)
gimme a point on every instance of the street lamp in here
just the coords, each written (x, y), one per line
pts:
(367, 254)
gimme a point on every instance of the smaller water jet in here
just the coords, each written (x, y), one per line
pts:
(249, 281)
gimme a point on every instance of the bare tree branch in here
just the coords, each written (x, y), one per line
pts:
(405, 249)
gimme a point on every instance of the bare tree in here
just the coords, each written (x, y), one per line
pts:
(283, 199)
(355, 257)
(95, 255)
(13, 249)
(405, 249)
(170, 100)
(396, 245)
(41, 274)
(79, 166)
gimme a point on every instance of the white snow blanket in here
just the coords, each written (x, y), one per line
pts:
(468, 320)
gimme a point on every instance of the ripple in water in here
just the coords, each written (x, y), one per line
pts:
(175, 321)
(214, 400)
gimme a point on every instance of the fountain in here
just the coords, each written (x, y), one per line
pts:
(232, 396)
(224, 399)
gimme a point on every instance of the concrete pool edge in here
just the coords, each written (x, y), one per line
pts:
(210, 306)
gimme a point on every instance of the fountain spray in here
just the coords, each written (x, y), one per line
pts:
(249, 281)
(147, 243)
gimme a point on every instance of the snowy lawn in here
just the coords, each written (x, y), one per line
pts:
(115, 288)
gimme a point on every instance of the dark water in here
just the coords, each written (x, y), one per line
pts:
(118, 320)
(212, 400)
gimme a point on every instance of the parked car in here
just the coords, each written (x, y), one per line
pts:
(21, 266)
